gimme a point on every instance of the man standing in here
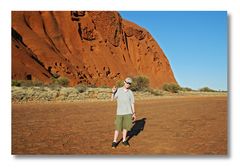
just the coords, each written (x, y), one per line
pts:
(125, 111)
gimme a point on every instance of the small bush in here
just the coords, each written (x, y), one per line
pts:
(62, 81)
(119, 83)
(81, 88)
(171, 87)
(155, 92)
(186, 89)
(16, 83)
(206, 89)
(140, 83)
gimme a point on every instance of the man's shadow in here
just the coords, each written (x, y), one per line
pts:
(138, 126)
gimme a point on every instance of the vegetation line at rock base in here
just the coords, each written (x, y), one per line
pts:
(34, 91)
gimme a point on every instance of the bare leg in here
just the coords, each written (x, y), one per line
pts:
(124, 134)
(116, 132)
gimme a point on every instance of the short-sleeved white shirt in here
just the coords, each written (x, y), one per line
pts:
(125, 99)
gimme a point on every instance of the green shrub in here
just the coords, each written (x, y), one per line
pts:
(62, 81)
(171, 87)
(206, 89)
(81, 88)
(186, 89)
(16, 83)
(140, 83)
(155, 92)
(119, 83)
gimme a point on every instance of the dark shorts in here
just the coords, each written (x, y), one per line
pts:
(123, 122)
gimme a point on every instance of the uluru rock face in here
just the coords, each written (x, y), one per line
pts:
(95, 48)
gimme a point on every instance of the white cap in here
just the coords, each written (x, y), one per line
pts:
(128, 80)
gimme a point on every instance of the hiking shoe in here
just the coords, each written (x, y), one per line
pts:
(125, 143)
(114, 145)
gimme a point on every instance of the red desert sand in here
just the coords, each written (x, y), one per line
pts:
(180, 125)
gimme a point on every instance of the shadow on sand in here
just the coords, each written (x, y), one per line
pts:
(138, 126)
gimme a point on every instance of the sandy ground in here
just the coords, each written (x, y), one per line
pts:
(177, 125)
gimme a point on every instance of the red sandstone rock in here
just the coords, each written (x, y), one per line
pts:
(97, 48)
